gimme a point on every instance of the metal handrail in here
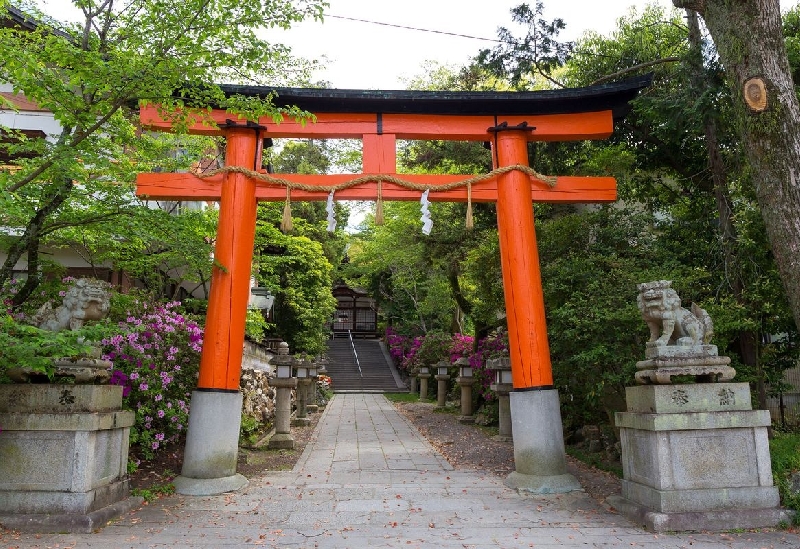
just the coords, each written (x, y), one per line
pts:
(353, 345)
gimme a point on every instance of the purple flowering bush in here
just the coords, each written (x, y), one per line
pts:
(398, 345)
(492, 346)
(409, 353)
(156, 358)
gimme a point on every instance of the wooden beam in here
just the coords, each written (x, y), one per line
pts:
(549, 127)
(186, 186)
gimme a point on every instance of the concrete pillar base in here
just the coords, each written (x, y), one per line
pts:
(553, 484)
(503, 438)
(539, 456)
(209, 486)
(212, 445)
(281, 441)
(466, 419)
(301, 422)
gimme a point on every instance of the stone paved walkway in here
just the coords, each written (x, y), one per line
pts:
(369, 479)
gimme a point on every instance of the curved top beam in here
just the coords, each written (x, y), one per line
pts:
(614, 97)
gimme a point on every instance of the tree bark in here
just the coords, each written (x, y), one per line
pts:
(749, 38)
(29, 242)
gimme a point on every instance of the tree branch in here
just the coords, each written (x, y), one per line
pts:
(634, 68)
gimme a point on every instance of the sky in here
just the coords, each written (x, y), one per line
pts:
(371, 56)
(359, 55)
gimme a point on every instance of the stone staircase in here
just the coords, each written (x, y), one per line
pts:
(376, 376)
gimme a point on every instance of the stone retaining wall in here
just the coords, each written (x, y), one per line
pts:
(258, 397)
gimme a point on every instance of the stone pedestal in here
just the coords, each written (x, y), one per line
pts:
(441, 390)
(696, 457)
(413, 382)
(539, 456)
(63, 457)
(697, 361)
(423, 386)
(301, 415)
(504, 410)
(282, 439)
(466, 384)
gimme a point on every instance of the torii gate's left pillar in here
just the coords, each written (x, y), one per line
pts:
(209, 463)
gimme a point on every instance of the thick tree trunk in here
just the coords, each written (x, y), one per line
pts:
(749, 39)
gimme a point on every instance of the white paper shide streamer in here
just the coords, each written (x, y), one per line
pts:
(331, 218)
(427, 222)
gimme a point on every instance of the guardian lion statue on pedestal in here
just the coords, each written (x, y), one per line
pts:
(669, 323)
(87, 299)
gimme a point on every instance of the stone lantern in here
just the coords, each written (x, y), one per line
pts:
(442, 378)
(465, 380)
(502, 386)
(424, 375)
(311, 399)
(283, 383)
(301, 371)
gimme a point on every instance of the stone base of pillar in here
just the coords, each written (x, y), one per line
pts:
(209, 486)
(301, 422)
(466, 419)
(503, 438)
(539, 455)
(212, 445)
(281, 441)
(548, 484)
(312, 408)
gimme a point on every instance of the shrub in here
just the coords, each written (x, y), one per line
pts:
(785, 454)
(156, 359)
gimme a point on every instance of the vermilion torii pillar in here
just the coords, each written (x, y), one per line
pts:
(508, 121)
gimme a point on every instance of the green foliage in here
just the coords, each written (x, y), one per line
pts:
(538, 54)
(75, 188)
(27, 346)
(434, 348)
(256, 326)
(591, 263)
(300, 277)
(250, 430)
(154, 492)
(785, 454)
(402, 397)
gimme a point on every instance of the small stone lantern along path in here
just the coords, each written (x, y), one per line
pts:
(507, 121)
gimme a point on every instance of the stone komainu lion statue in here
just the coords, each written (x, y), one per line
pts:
(87, 299)
(669, 323)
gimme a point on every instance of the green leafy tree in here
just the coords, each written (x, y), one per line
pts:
(748, 36)
(683, 161)
(300, 276)
(91, 74)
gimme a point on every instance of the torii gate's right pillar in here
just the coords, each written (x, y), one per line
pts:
(539, 455)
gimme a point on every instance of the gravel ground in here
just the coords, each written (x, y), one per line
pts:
(470, 447)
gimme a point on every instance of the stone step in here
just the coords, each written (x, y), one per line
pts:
(375, 375)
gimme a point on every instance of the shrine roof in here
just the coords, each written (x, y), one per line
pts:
(613, 96)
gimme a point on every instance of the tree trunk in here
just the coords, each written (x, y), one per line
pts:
(749, 38)
(29, 243)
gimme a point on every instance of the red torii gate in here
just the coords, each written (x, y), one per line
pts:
(507, 120)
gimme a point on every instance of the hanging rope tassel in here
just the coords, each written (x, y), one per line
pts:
(470, 223)
(379, 205)
(286, 222)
